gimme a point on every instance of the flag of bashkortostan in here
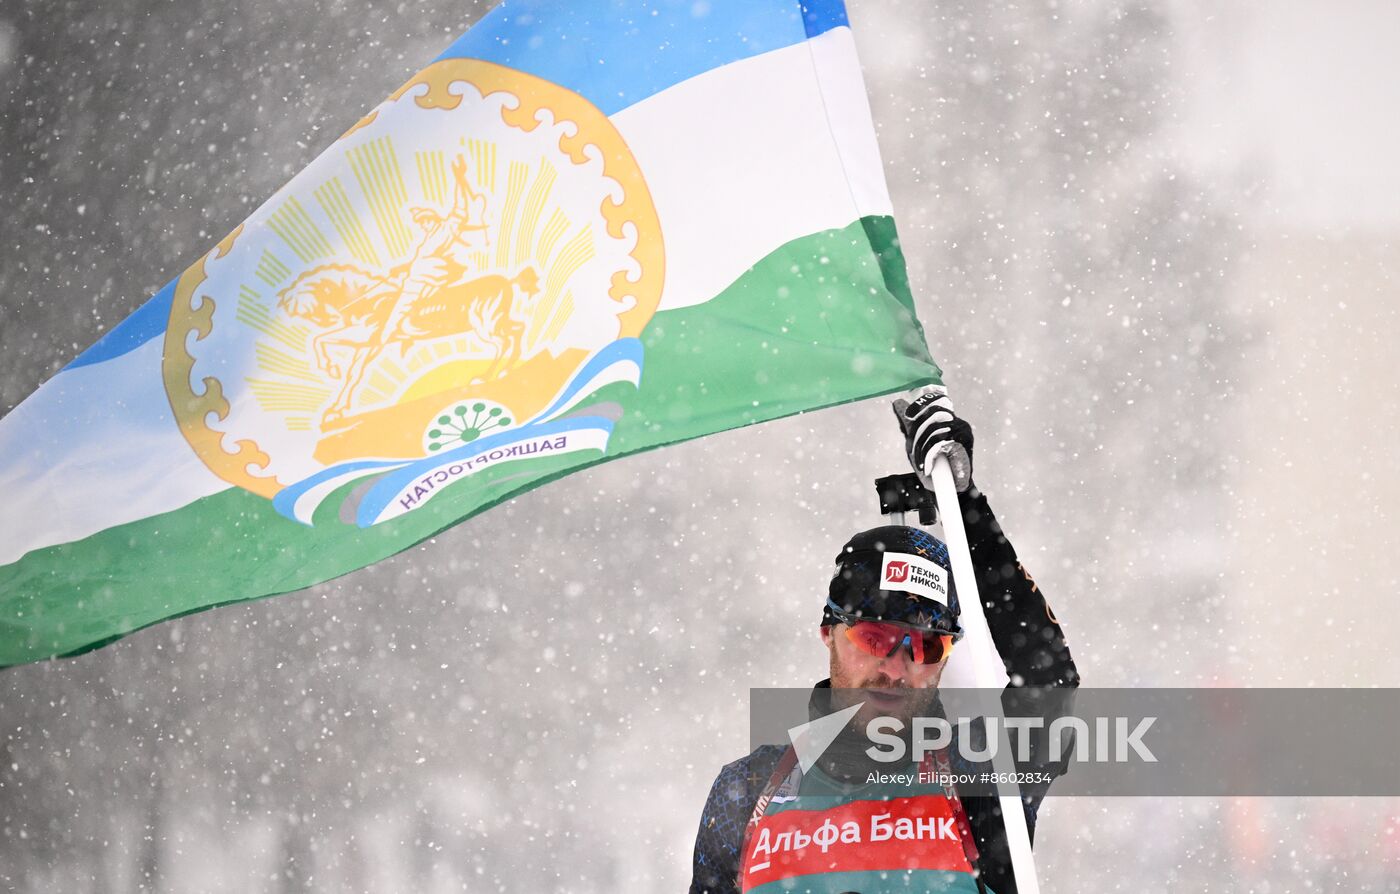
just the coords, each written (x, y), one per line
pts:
(589, 228)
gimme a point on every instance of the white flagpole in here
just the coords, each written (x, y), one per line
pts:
(988, 671)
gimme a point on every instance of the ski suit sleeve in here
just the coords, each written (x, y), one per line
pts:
(1032, 646)
(727, 812)
(1024, 628)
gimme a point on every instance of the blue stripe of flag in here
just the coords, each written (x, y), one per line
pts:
(616, 53)
(144, 324)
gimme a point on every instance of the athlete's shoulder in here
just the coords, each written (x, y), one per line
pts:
(727, 811)
(763, 760)
(734, 793)
(743, 779)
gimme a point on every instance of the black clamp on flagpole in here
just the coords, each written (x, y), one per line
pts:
(905, 493)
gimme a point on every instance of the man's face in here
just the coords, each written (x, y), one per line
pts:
(904, 686)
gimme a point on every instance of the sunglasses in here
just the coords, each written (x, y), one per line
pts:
(883, 640)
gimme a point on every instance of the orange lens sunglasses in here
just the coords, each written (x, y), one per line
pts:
(883, 640)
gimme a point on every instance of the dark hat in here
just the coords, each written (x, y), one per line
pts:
(895, 574)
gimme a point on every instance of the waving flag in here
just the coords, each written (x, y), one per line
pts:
(589, 228)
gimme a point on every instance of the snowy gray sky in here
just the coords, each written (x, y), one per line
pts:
(1304, 92)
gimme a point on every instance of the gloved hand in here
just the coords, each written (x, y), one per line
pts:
(931, 427)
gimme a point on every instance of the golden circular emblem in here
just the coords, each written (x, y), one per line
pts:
(442, 273)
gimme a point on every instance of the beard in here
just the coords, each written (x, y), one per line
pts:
(883, 696)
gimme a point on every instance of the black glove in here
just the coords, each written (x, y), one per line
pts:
(931, 427)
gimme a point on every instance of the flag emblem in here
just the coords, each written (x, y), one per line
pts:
(470, 261)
